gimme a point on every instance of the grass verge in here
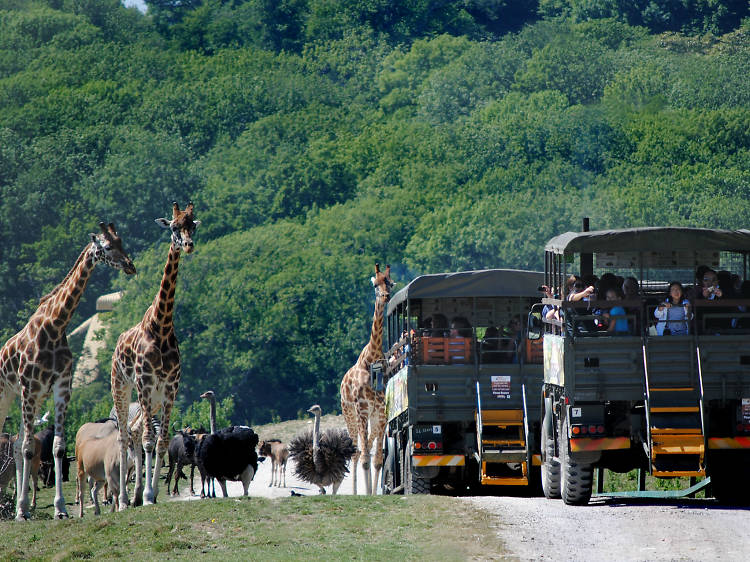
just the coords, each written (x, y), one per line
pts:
(294, 528)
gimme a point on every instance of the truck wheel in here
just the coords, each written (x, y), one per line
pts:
(550, 467)
(577, 478)
(728, 480)
(387, 484)
(412, 483)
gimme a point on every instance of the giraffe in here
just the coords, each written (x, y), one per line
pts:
(37, 361)
(363, 407)
(147, 357)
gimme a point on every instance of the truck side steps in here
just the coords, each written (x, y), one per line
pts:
(677, 441)
(673, 402)
(503, 455)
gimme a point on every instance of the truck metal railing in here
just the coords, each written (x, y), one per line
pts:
(647, 394)
(584, 319)
(700, 386)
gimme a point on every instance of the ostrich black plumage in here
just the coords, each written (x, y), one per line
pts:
(322, 459)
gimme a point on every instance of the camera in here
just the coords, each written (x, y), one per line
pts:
(541, 288)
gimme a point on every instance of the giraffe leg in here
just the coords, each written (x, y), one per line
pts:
(350, 417)
(61, 396)
(378, 433)
(364, 437)
(23, 453)
(121, 395)
(163, 441)
(144, 398)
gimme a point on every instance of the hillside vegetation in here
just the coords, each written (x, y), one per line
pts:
(317, 137)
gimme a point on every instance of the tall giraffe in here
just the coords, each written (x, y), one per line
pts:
(37, 360)
(147, 357)
(363, 407)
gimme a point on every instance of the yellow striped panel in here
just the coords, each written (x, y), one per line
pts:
(438, 460)
(729, 442)
(674, 409)
(605, 443)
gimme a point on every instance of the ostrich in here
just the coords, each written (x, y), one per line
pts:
(211, 397)
(228, 454)
(322, 459)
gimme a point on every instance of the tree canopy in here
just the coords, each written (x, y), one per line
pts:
(317, 137)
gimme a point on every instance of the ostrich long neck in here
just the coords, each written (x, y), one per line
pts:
(316, 432)
(212, 419)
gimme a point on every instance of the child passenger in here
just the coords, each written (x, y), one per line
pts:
(614, 318)
(673, 314)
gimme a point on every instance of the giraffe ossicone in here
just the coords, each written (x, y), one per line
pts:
(37, 361)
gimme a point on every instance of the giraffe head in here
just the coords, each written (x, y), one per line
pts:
(182, 227)
(382, 282)
(108, 249)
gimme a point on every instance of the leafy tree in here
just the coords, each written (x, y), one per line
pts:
(575, 66)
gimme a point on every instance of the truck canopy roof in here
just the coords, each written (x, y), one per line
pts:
(480, 283)
(658, 238)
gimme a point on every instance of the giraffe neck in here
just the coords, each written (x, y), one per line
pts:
(374, 348)
(159, 316)
(59, 305)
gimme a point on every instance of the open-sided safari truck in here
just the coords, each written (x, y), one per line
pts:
(462, 386)
(671, 402)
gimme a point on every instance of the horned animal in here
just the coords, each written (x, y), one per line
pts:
(98, 457)
(181, 453)
(279, 454)
(8, 464)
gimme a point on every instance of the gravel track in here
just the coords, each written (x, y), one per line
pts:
(617, 529)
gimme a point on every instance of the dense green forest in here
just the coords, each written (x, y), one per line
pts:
(317, 137)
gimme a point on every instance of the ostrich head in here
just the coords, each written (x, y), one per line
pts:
(315, 410)
(209, 395)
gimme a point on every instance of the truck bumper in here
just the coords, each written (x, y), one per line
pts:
(438, 460)
(729, 442)
(580, 445)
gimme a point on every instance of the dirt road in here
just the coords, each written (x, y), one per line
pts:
(541, 529)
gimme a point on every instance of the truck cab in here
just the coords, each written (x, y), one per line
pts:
(646, 380)
(460, 379)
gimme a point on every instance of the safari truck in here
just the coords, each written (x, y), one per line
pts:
(461, 383)
(622, 392)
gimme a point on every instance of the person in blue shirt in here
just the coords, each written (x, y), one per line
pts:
(615, 318)
(673, 314)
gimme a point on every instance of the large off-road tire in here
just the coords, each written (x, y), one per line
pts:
(550, 467)
(388, 475)
(729, 480)
(413, 484)
(576, 478)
